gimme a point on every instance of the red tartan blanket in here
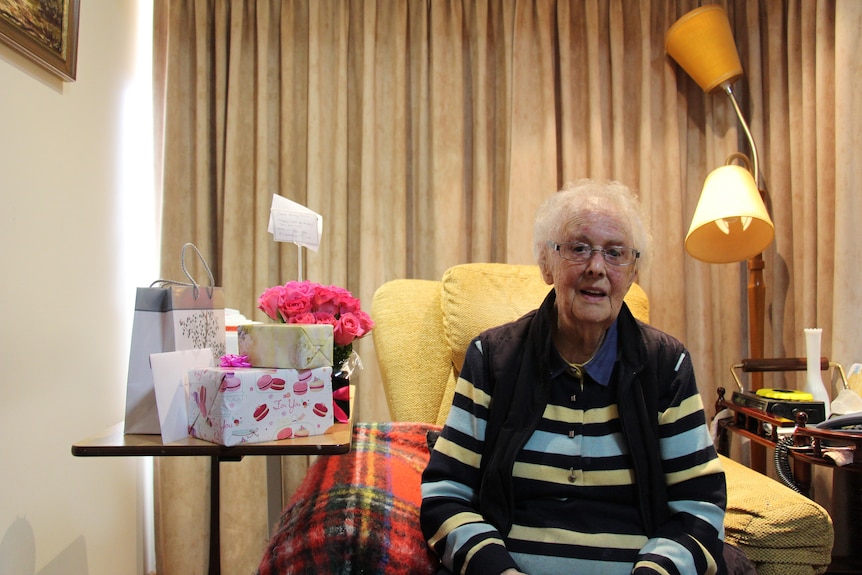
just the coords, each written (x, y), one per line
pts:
(358, 512)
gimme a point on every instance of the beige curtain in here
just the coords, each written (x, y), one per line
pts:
(427, 131)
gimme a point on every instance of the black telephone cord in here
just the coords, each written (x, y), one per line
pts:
(782, 464)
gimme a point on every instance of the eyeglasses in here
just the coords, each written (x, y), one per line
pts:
(579, 252)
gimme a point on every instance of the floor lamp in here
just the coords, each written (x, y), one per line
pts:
(731, 222)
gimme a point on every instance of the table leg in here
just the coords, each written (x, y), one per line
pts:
(758, 457)
(274, 480)
(845, 510)
(215, 518)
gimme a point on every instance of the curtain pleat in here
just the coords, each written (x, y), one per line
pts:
(847, 110)
(426, 132)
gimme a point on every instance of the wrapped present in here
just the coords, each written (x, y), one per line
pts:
(229, 405)
(293, 346)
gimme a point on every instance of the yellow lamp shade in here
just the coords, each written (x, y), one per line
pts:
(730, 223)
(702, 43)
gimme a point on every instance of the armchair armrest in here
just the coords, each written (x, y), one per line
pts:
(782, 532)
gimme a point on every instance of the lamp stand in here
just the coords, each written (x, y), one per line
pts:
(756, 315)
(756, 289)
(756, 318)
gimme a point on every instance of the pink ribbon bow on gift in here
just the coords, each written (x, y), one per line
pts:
(231, 360)
(341, 394)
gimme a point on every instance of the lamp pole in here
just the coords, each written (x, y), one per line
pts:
(756, 289)
(756, 286)
(756, 318)
(756, 315)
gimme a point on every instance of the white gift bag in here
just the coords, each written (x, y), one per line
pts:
(175, 316)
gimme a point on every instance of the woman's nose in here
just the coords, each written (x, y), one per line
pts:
(596, 263)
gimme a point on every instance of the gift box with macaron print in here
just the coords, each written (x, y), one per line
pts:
(233, 405)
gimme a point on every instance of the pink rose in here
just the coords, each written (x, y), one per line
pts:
(325, 318)
(347, 329)
(345, 300)
(365, 321)
(269, 300)
(305, 288)
(293, 303)
(324, 300)
(304, 318)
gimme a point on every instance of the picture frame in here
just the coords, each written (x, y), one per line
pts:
(43, 31)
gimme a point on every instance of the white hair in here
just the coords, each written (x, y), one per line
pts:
(555, 213)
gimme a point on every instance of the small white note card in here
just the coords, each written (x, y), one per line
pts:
(170, 378)
(292, 222)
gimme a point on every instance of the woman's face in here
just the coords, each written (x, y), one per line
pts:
(590, 294)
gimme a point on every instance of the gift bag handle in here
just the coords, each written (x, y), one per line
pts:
(191, 283)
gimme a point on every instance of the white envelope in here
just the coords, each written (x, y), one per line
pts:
(170, 378)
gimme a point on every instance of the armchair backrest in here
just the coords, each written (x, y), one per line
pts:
(423, 327)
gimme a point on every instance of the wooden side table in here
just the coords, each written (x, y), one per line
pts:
(810, 446)
(113, 442)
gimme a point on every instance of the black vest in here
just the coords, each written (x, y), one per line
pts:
(517, 363)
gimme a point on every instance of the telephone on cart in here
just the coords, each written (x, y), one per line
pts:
(837, 451)
(849, 422)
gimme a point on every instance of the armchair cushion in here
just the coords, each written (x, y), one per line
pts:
(781, 531)
(475, 298)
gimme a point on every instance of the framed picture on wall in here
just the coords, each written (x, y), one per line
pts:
(44, 31)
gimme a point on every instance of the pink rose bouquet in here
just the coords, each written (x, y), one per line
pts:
(307, 302)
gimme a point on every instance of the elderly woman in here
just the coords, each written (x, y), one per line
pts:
(577, 441)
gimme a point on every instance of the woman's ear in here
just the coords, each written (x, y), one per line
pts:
(544, 266)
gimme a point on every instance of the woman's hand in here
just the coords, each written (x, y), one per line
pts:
(512, 572)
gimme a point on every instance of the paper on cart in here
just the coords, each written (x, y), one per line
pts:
(292, 222)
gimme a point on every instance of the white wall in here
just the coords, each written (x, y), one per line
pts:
(75, 240)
